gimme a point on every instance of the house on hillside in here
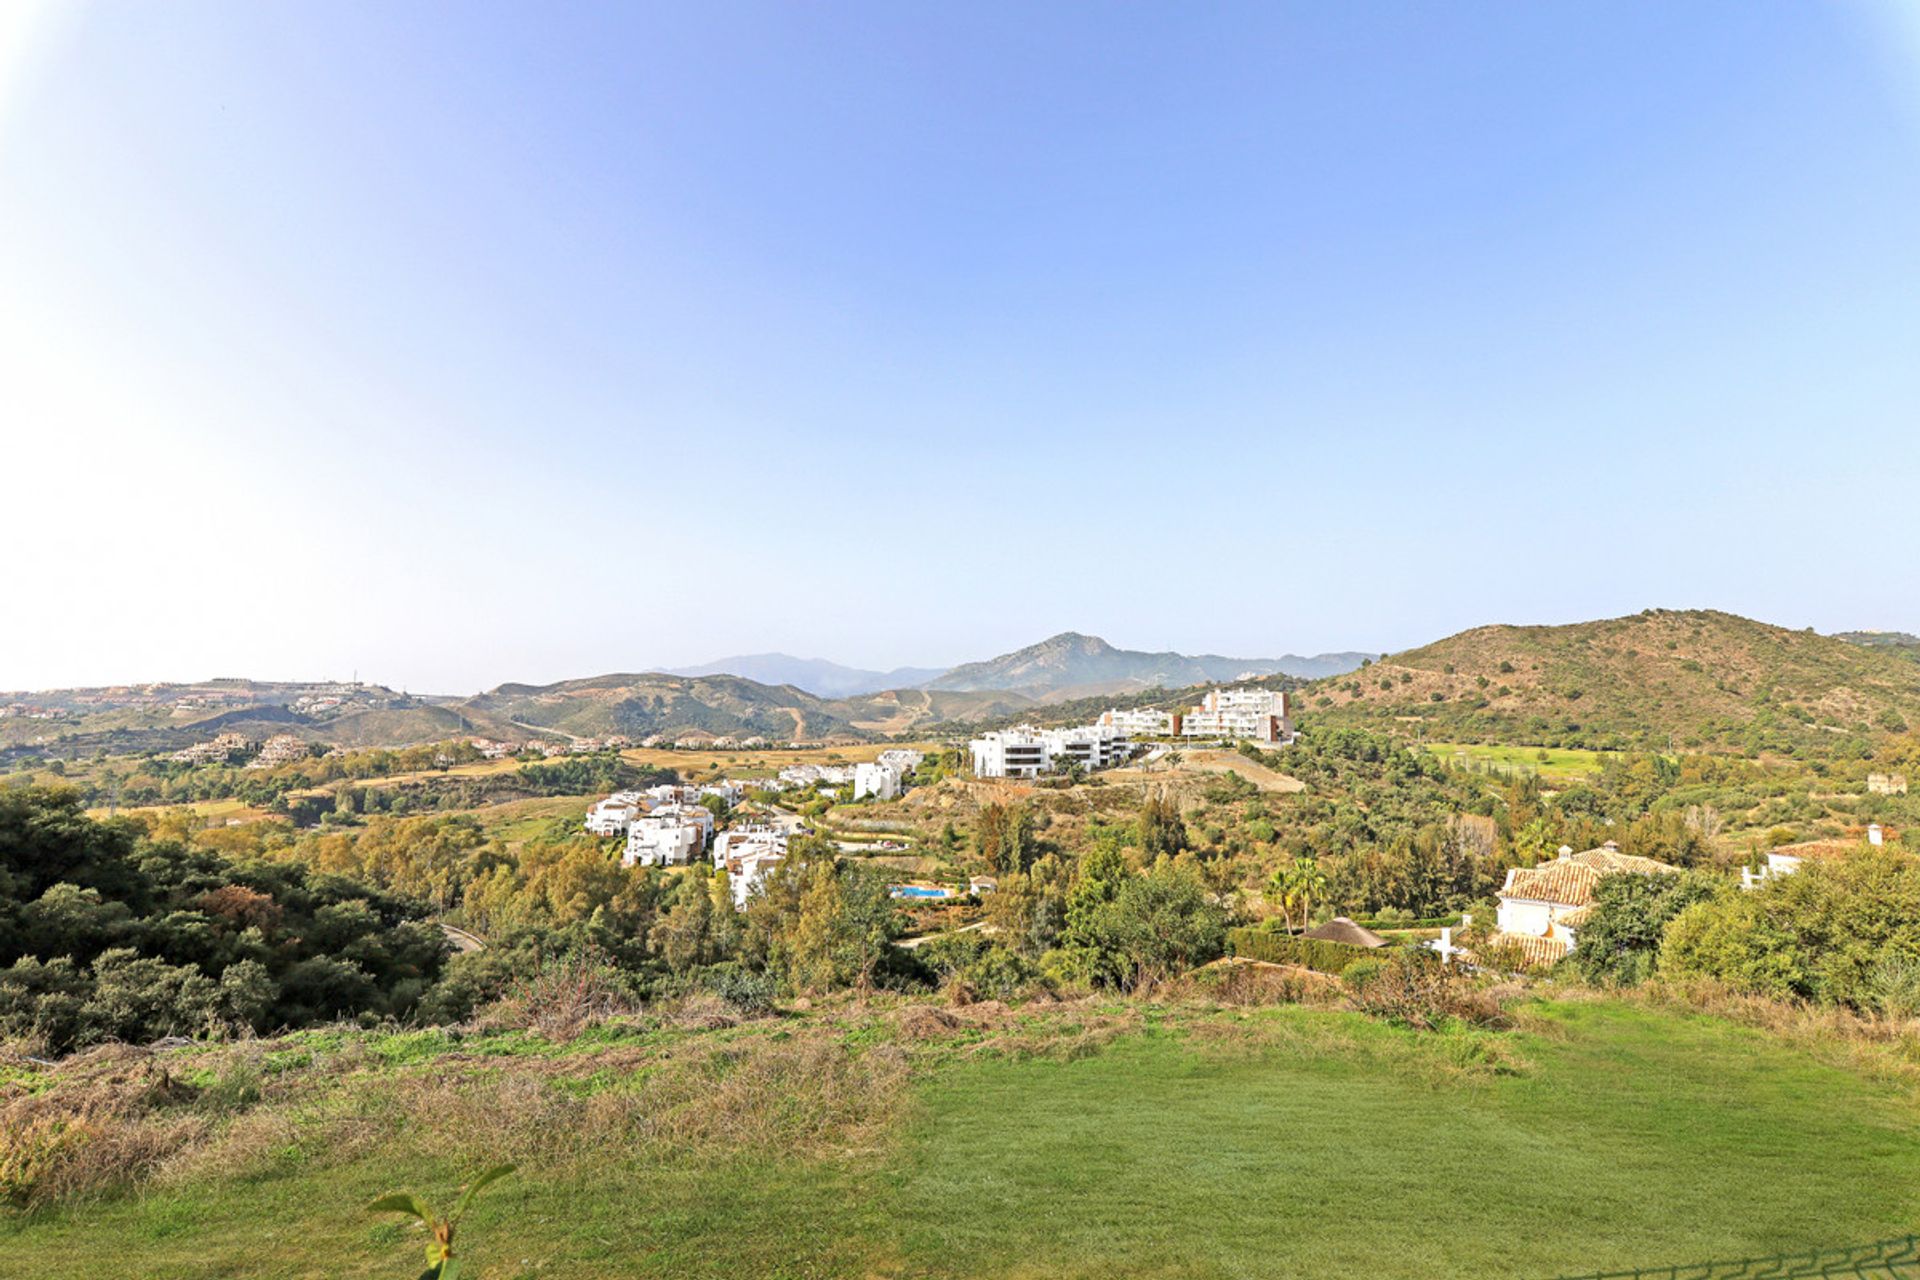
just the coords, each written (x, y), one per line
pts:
(1542, 907)
(1789, 858)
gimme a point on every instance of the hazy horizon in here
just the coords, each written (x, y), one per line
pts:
(466, 345)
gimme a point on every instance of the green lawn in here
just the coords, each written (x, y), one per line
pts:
(1279, 1143)
(1560, 764)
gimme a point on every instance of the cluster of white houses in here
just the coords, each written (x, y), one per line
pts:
(1241, 714)
(672, 826)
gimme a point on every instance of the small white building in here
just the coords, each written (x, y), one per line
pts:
(1789, 858)
(904, 759)
(881, 781)
(748, 836)
(729, 792)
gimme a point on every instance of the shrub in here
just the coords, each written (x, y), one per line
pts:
(1413, 990)
(1307, 953)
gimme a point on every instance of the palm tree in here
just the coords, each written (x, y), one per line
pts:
(1295, 886)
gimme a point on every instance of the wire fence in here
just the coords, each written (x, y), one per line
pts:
(1898, 1258)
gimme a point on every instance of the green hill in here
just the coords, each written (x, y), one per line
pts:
(638, 705)
(1695, 678)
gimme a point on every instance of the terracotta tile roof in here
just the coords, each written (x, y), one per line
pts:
(1561, 881)
(1537, 952)
(1834, 847)
(1575, 918)
(1613, 862)
(1568, 880)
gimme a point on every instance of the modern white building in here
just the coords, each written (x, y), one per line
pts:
(881, 781)
(1141, 722)
(1258, 715)
(1026, 752)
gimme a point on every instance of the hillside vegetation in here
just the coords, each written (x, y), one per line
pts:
(1660, 679)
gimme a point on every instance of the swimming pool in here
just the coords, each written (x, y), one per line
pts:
(917, 891)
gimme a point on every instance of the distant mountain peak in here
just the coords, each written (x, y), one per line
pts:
(1072, 664)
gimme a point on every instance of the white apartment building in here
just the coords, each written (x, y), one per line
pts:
(749, 867)
(1259, 715)
(697, 816)
(746, 837)
(661, 841)
(612, 816)
(1026, 752)
(730, 792)
(1141, 722)
(881, 781)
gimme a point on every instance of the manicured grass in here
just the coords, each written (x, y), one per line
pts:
(1561, 764)
(1274, 1143)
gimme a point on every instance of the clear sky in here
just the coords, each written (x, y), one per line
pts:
(462, 343)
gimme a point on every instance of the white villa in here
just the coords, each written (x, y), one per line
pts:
(1541, 907)
(1789, 858)
(654, 840)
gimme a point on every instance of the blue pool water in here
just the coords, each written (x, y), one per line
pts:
(915, 891)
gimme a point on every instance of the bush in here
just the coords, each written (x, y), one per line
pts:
(1416, 991)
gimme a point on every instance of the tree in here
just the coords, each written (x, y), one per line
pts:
(1620, 940)
(684, 937)
(1294, 888)
(1127, 930)
(1003, 835)
(1162, 830)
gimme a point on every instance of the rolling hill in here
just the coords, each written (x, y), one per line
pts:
(1071, 666)
(638, 705)
(1661, 678)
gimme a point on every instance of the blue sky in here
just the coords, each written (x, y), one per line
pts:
(455, 344)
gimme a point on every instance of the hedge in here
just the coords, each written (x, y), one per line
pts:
(1308, 953)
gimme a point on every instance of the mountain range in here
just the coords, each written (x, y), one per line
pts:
(1062, 667)
(1661, 679)
(815, 675)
